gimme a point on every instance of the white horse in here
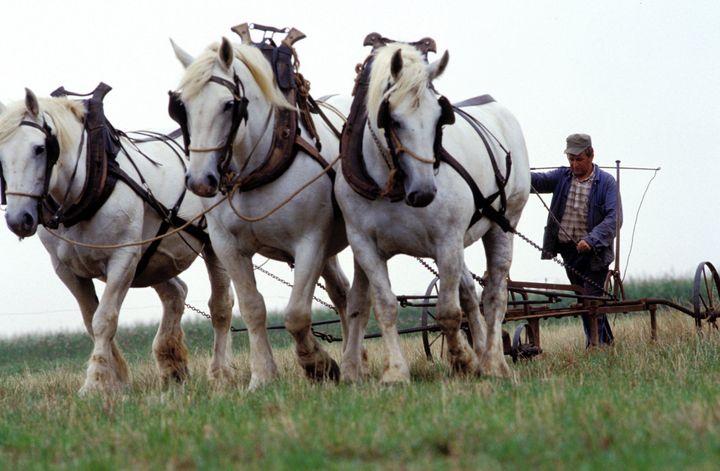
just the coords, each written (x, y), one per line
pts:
(35, 133)
(302, 228)
(435, 219)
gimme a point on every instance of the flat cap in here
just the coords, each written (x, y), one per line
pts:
(576, 143)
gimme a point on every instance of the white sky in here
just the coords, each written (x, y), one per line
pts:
(640, 77)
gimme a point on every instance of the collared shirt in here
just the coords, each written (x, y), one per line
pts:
(573, 226)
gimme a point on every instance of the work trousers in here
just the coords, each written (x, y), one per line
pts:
(592, 282)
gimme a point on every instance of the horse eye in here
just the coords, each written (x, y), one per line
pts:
(395, 123)
(228, 105)
(39, 150)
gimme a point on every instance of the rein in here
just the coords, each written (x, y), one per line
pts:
(324, 171)
(174, 231)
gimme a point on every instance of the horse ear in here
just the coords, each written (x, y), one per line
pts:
(183, 56)
(396, 64)
(31, 103)
(226, 52)
(438, 67)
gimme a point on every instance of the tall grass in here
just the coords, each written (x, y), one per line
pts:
(638, 405)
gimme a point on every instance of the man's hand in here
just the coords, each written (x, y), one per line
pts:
(583, 246)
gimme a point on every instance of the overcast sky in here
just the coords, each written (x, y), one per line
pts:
(641, 77)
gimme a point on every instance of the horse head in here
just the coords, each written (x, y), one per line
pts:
(404, 108)
(32, 137)
(224, 107)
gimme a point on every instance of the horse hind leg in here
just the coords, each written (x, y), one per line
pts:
(316, 362)
(338, 289)
(471, 308)
(220, 304)
(337, 286)
(354, 365)
(171, 355)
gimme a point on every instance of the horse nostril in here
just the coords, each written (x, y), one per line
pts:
(420, 199)
(28, 220)
(212, 181)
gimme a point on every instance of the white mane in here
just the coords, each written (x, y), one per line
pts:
(199, 72)
(411, 83)
(61, 111)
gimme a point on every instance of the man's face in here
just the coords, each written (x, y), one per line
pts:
(581, 165)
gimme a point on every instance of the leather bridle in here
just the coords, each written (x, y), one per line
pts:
(395, 145)
(178, 113)
(52, 152)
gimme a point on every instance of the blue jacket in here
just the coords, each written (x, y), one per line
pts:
(604, 212)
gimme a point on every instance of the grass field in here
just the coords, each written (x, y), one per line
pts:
(637, 405)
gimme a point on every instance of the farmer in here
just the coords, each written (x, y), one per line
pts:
(585, 214)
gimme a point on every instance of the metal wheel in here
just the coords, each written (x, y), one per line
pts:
(431, 332)
(706, 294)
(614, 286)
(432, 336)
(523, 343)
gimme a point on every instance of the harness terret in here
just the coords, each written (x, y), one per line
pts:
(353, 164)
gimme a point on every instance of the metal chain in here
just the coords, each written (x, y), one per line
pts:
(277, 278)
(564, 265)
(481, 282)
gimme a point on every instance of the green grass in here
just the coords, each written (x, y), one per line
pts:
(638, 405)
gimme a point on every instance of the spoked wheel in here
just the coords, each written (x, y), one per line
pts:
(432, 337)
(524, 345)
(614, 286)
(706, 294)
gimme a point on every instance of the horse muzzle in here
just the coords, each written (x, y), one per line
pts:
(206, 185)
(22, 223)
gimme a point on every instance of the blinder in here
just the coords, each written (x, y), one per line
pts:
(384, 121)
(383, 116)
(3, 198)
(52, 149)
(178, 113)
(447, 114)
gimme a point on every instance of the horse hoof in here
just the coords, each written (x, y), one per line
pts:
(323, 372)
(178, 376)
(495, 368)
(396, 375)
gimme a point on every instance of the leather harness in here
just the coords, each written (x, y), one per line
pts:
(102, 174)
(286, 139)
(353, 164)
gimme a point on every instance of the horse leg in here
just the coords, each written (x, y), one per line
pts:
(449, 315)
(107, 369)
(498, 251)
(82, 289)
(171, 355)
(220, 304)
(316, 362)
(337, 286)
(471, 307)
(338, 289)
(254, 313)
(386, 308)
(354, 364)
